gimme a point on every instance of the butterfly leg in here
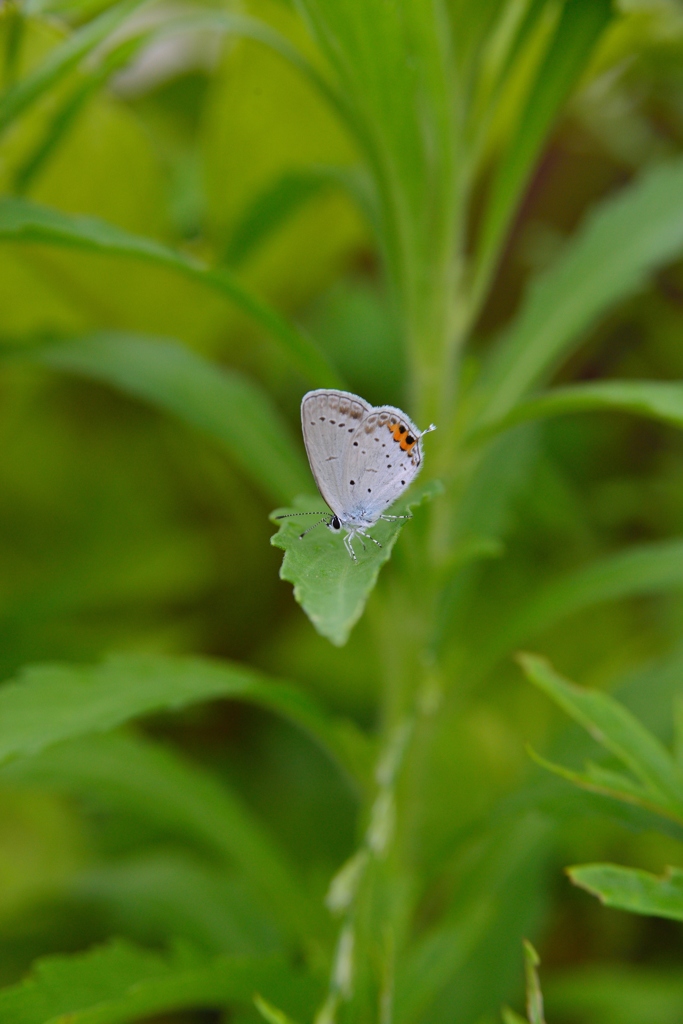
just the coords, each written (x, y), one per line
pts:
(370, 537)
(349, 546)
(390, 519)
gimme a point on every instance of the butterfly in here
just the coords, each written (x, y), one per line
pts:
(362, 457)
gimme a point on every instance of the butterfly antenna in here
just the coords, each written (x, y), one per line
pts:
(290, 515)
(319, 523)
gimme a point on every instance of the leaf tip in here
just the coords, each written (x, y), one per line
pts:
(575, 874)
(530, 953)
(530, 663)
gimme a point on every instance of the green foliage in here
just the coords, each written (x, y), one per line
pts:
(182, 801)
(619, 732)
(608, 259)
(120, 982)
(564, 52)
(629, 889)
(472, 211)
(225, 405)
(656, 399)
(23, 221)
(330, 587)
(77, 701)
(659, 788)
(62, 59)
(270, 1013)
(533, 986)
(534, 996)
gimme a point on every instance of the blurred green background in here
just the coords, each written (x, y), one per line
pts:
(123, 529)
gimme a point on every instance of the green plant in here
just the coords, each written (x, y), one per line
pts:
(534, 996)
(429, 119)
(656, 789)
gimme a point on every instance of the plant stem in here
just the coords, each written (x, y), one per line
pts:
(352, 886)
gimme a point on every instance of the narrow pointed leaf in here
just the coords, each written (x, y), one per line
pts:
(614, 727)
(331, 587)
(393, 65)
(646, 569)
(659, 400)
(51, 703)
(579, 28)
(283, 197)
(610, 784)
(270, 1013)
(630, 889)
(24, 221)
(271, 208)
(615, 785)
(510, 1017)
(534, 996)
(61, 60)
(609, 258)
(222, 403)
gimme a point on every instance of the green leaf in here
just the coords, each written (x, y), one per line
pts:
(648, 693)
(394, 66)
(657, 400)
(59, 126)
(647, 569)
(92, 76)
(534, 996)
(50, 703)
(261, 32)
(220, 402)
(84, 40)
(611, 256)
(609, 784)
(121, 982)
(154, 895)
(24, 221)
(62, 60)
(630, 889)
(284, 196)
(510, 1017)
(271, 207)
(446, 974)
(270, 1013)
(579, 28)
(332, 588)
(155, 785)
(615, 728)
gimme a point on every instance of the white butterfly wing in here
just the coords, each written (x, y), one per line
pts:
(328, 419)
(382, 459)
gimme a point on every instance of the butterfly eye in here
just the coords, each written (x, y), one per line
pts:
(335, 524)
